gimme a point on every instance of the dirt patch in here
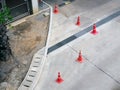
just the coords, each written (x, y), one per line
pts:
(25, 39)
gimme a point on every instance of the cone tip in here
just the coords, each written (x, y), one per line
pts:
(94, 24)
(80, 52)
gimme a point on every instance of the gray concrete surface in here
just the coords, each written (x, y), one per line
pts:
(100, 69)
(90, 11)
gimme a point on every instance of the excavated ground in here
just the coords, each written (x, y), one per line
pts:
(25, 39)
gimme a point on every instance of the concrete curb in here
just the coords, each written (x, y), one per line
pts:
(46, 48)
(38, 61)
(31, 75)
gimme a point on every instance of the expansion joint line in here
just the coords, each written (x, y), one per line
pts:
(102, 70)
(73, 48)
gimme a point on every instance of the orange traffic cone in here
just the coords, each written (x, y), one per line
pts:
(59, 79)
(94, 31)
(80, 58)
(78, 21)
(56, 11)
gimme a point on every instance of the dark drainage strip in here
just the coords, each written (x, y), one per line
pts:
(84, 31)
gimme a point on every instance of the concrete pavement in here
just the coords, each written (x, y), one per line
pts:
(100, 69)
(90, 12)
(93, 74)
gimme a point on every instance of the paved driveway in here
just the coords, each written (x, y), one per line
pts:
(100, 69)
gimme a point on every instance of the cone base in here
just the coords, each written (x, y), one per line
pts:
(94, 33)
(80, 61)
(59, 81)
(55, 12)
(78, 24)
